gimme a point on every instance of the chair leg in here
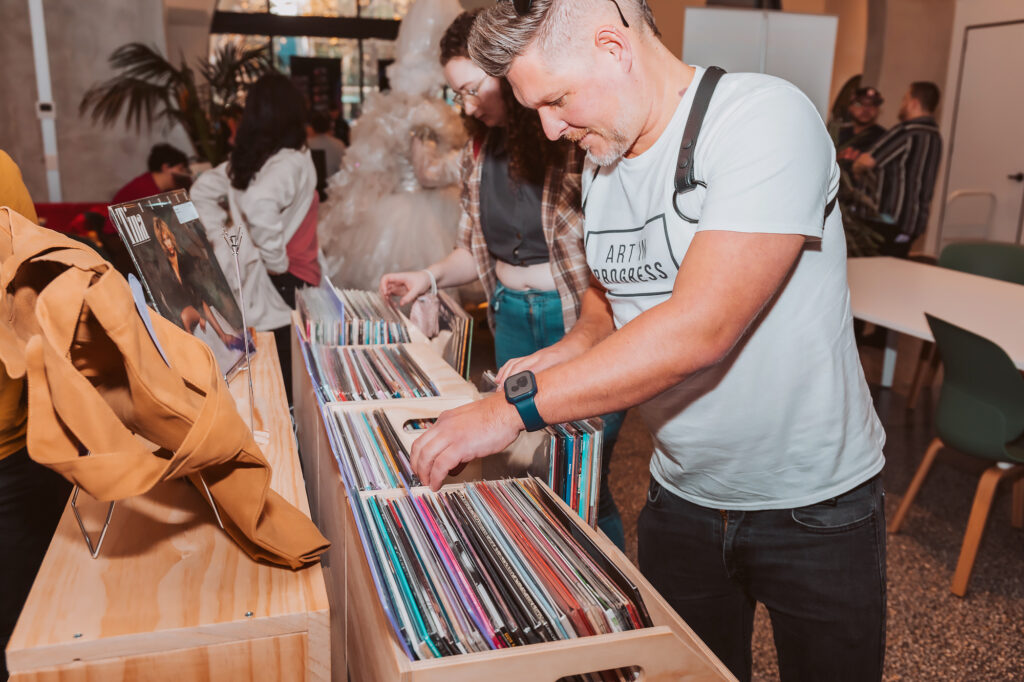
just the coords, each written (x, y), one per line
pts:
(976, 523)
(915, 485)
(926, 363)
(1017, 508)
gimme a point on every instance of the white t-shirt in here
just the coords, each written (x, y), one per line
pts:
(786, 419)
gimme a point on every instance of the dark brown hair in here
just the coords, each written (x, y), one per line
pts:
(530, 153)
(274, 119)
(927, 94)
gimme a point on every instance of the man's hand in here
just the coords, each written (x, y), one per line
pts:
(408, 285)
(462, 435)
(541, 360)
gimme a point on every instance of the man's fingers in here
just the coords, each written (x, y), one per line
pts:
(508, 369)
(443, 463)
(421, 455)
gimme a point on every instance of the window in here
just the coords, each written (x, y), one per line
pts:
(360, 34)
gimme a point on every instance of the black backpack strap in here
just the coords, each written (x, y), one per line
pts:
(685, 180)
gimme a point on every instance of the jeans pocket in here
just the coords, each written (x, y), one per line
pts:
(844, 513)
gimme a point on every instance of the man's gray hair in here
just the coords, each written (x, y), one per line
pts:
(500, 34)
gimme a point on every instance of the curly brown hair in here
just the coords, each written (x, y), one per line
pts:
(530, 152)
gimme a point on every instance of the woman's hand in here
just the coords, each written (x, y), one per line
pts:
(408, 285)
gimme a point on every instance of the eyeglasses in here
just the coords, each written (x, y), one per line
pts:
(523, 8)
(461, 96)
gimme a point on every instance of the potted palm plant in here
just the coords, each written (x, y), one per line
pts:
(148, 88)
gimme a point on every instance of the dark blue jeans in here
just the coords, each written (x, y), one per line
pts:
(525, 322)
(819, 570)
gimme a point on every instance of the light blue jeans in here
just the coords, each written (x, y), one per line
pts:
(525, 322)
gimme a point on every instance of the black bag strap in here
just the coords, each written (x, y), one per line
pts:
(685, 180)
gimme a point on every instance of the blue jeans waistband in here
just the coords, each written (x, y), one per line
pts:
(525, 294)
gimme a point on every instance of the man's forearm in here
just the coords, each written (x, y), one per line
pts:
(626, 368)
(723, 285)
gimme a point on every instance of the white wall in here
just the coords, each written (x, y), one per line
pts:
(188, 29)
(967, 13)
(795, 46)
(94, 162)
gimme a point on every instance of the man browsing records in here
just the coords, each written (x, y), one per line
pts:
(723, 312)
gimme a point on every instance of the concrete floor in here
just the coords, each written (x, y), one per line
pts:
(932, 634)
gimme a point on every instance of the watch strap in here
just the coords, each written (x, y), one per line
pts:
(529, 414)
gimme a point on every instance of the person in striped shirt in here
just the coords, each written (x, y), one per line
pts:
(905, 161)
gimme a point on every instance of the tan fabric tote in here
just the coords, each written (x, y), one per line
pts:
(95, 378)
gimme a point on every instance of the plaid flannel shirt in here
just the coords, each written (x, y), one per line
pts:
(561, 218)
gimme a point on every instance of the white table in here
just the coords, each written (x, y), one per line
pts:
(895, 294)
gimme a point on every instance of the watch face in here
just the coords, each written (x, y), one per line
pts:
(520, 385)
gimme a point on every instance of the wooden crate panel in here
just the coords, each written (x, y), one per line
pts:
(167, 577)
(272, 659)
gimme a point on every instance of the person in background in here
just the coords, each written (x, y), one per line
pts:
(905, 162)
(320, 138)
(167, 169)
(339, 125)
(520, 232)
(861, 131)
(32, 497)
(273, 195)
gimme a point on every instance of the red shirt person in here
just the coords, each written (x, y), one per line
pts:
(167, 166)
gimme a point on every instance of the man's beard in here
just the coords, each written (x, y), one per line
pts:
(618, 145)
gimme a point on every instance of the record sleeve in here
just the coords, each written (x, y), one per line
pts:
(181, 276)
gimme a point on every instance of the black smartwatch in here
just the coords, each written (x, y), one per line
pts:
(519, 390)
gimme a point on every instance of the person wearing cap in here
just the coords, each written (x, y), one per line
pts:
(858, 134)
(905, 163)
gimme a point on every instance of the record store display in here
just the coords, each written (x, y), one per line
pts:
(349, 317)
(346, 373)
(322, 313)
(574, 465)
(454, 320)
(371, 319)
(478, 566)
(491, 565)
(372, 450)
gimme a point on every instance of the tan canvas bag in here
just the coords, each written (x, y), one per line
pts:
(95, 378)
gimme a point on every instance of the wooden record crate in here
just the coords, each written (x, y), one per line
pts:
(447, 380)
(362, 637)
(667, 651)
(325, 486)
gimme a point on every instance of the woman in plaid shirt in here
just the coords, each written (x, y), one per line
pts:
(521, 229)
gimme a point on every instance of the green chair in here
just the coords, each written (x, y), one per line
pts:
(980, 413)
(988, 259)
